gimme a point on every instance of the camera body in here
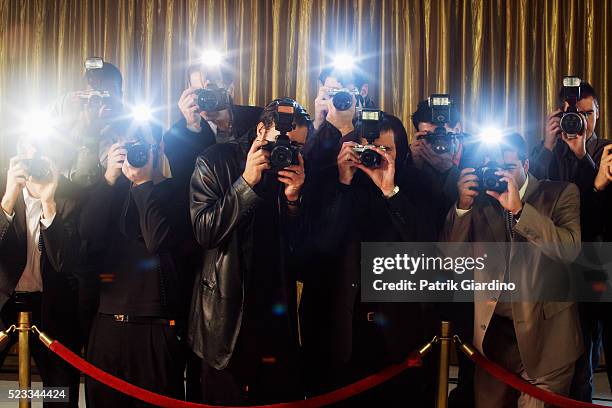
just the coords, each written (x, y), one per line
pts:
(38, 168)
(368, 155)
(488, 180)
(212, 98)
(342, 98)
(94, 98)
(571, 120)
(283, 153)
(440, 140)
(138, 153)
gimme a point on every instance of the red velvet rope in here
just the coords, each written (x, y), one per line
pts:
(163, 401)
(523, 386)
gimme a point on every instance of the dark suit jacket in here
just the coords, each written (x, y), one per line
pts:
(58, 261)
(550, 222)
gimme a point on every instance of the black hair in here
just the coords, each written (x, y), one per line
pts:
(516, 143)
(223, 72)
(423, 114)
(108, 72)
(586, 90)
(343, 77)
(301, 117)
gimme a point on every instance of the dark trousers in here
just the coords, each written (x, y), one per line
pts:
(53, 371)
(148, 355)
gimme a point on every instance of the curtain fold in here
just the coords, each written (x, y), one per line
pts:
(502, 60)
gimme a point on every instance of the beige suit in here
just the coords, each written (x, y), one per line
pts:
(548, 336)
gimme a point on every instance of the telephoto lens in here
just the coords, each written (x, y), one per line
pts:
(137, 154)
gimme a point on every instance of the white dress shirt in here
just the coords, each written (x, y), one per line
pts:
(31, 278)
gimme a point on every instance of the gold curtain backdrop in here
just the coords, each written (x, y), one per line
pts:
(502, 60)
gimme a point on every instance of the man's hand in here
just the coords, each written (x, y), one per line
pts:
(604, 175)
(258, 160)
(347, 162)
(188, 104)
(416, 149)
(293, 177)
(46, 189)
(466, 185)
(553, 130)
(341, 120)
(15, 182)
(139, 175)
(384, 175)
(117, 155)
(509, 199)
(321, 107)
(423, 153)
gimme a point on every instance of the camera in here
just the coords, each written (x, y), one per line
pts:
(571, 121)
(342, 98)
(212, 98)
(488, 180)
(283, 153)
(38, 168)
(369, 125)
(440, 140)
(368, 155)
(138, 153)
(93, 97)
(94, 63)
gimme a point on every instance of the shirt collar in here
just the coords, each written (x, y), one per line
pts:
(523, 188)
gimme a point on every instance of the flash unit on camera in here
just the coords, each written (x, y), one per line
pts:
(370, 114)
(94, 63)
(439, 100)
(285, 109)
(571, 81)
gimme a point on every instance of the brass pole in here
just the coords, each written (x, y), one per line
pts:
(445, 344)
(24, 356)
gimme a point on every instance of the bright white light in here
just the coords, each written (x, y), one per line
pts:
(142, 113)
(491, 135)
(344, 62)
(212, 58)
(38, 124)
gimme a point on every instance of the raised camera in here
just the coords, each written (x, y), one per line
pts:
(38, 168)
(571, 120)
(368, 155)
(93, 97)
(342, 98)
(488, 180)
(283, 152)
(440, 140)
(213, 98)
(138, 153)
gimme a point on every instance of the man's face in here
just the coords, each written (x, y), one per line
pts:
(107, 108)
(332, 83)
(513, 165)
(588, 107)
(297, 135)
(430, 127)
(199, 80)
(385, 138)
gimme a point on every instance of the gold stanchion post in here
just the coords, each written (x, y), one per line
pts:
(24, 356)
(445, 350)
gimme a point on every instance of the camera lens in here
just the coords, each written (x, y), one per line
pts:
(38, 169)
(207, 100)
(342, 101)
(571, 123)
(281, 157)
(370, 158)
(138, 154)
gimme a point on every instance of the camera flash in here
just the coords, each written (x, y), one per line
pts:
(142, 113)
(212, 58)
(571, 81)
(94, 63)
(491, 135)
(369, 115)
(37, 124)
(344, 62)
(440, 101)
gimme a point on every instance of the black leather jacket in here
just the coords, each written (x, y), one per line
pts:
(222, 204)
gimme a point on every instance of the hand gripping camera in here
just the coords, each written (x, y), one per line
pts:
(440, 140)
(488, 180)
(571, 120)
(283, 153)
(369, 123)
(212, 98)
(38, 168)
(342, 98)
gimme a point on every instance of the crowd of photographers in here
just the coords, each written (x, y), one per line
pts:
(220, 262)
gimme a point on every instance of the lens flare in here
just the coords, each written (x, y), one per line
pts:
(344, 62)
(212, 58)
(491, 135)
(142, 113)
(38, 124)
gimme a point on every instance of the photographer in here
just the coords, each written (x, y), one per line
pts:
(39, 247)
(344, 339)
(134, 211)
(574, 158)
(521, 336)
(246, 215)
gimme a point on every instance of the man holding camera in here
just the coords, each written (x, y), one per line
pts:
(134, 211)
(246, 214)
(521, 336)
(39, 248)
(366, 197)
(571, 151)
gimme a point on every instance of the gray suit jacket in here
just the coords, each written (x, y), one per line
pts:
(548, 333)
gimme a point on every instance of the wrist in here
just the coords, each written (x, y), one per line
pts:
(517, 210)
(390, 192)
(49, 208)
(8, 204)
(549, 144)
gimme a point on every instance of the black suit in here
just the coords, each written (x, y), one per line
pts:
(56, 314)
